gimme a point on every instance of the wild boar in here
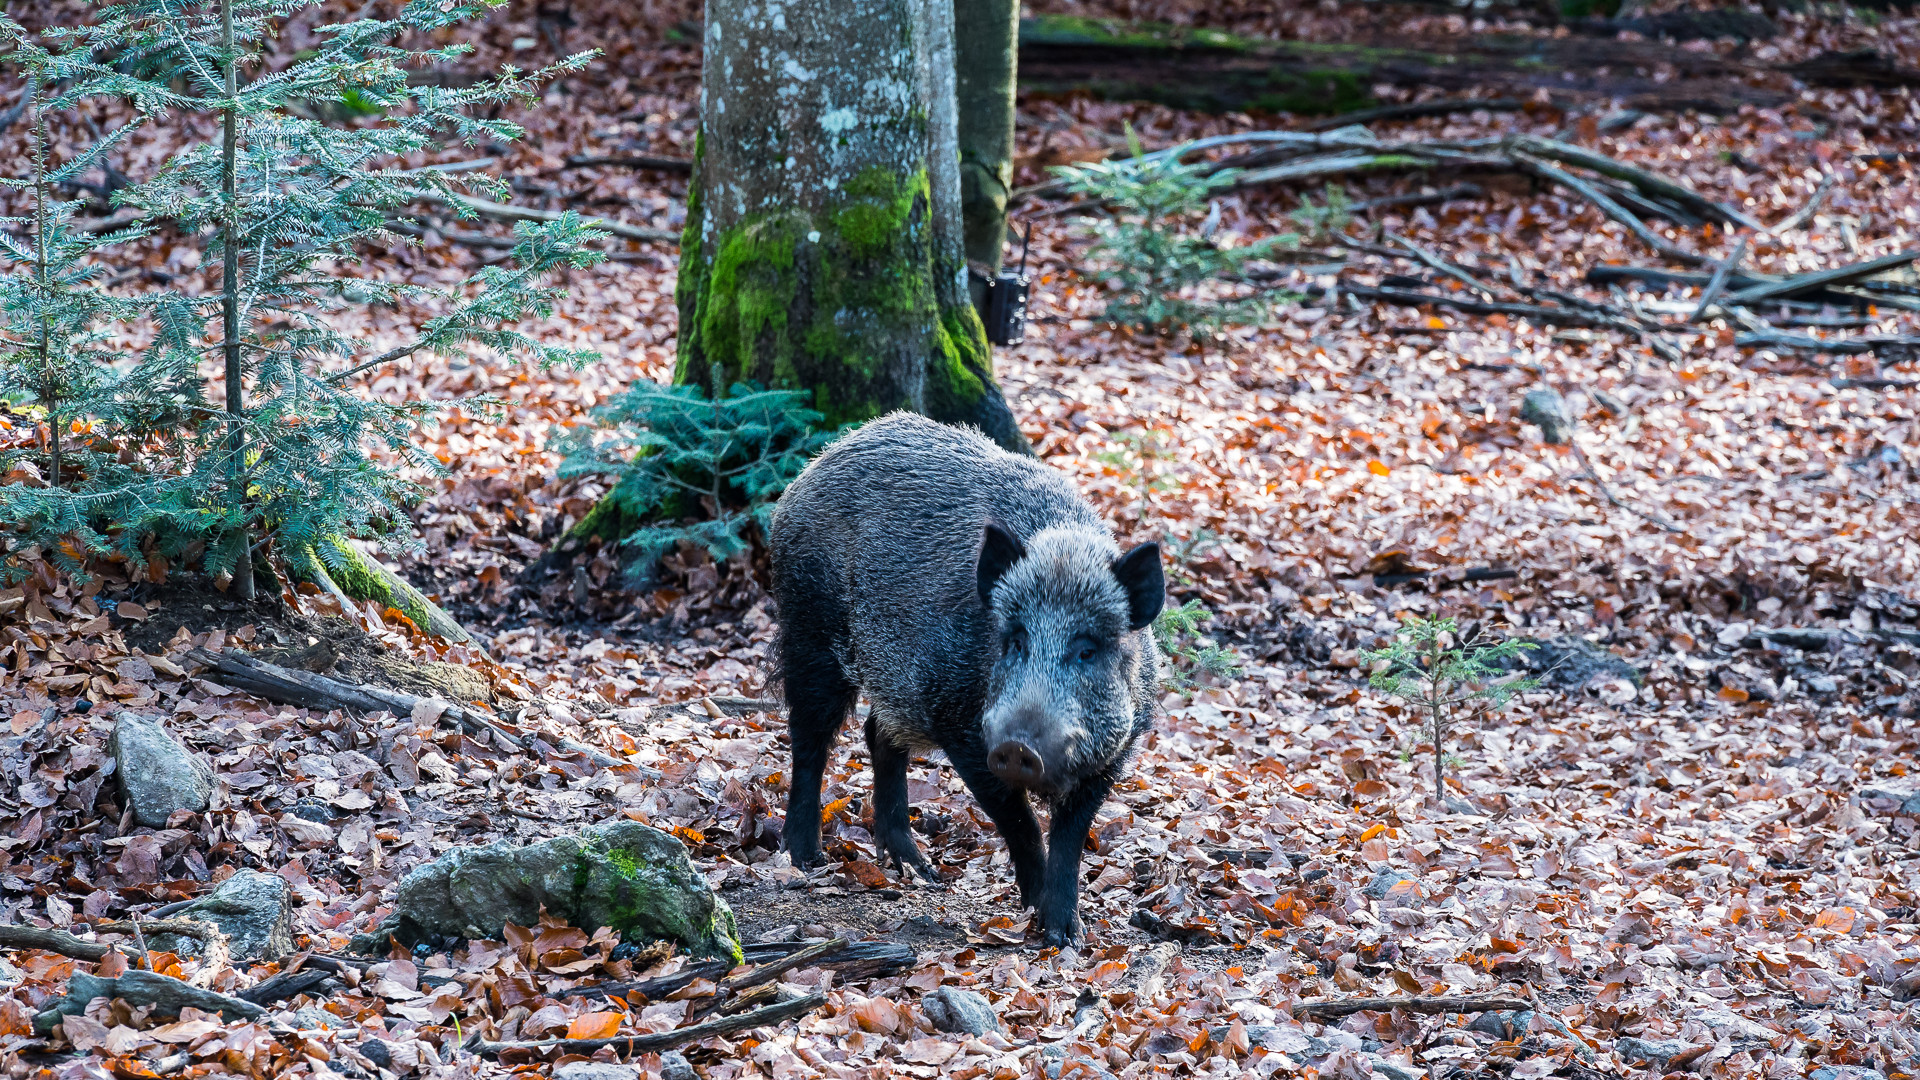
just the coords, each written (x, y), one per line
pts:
(984, 609)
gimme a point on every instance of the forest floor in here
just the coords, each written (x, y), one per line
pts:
(1693, 849)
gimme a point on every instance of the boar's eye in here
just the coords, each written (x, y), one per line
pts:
(1016, 642)
(1082, 650)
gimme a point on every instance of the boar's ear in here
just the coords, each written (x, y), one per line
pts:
(999, 550)
(1139, 573)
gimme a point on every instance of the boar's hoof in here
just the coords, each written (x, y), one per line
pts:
(1062, 935)
(1017, 764)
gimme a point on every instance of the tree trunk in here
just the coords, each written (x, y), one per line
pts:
(986, 38)
(823, 248)
(357, 576)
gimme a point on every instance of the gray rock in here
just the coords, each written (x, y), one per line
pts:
(959, 1011)
(675, 1066)
(597, 1070)
(253, 909)
(1846, 1072)
(156, 774)
(627, 876)
(1890, 801)
(1393, 1070)
(1654, 1052)
(314, 1018)
(1383, 882)
(1823, 684)
(1502, 1025)
(377, 1051)
(1548, 411)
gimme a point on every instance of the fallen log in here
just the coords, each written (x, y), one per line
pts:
(853, 963)
(658, 1041)
(1445, 578)
(1322, 1011)
(165, 993)
(287, 984)
(56, 941)
(631, 161)
(1650, 183)
(310, 691)
(1820, 279)
(1415, 110)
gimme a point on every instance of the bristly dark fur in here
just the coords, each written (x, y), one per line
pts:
(881, 554)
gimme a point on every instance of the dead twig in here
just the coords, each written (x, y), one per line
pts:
(1800, 217)
(1820, 279)
(631, 161)
(1322, 1011)
(664, 1040)
(1608, 205)
(1649, 183)
(1718, 282)
(504, 212)
(57, 941)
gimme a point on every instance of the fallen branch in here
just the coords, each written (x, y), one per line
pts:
(1822, 639)
(1428, 198)
(504, 212)
(310, 691)
(1608, 205)
(853, 963)
(1606, 492)
(1323, 1011)
(1820, 279)
(1650, 183)
(1718, 282)
(631, 161)
(1853, 346)
(58, 941)
(737, 992)
(1478, 573)
(1537, 312)
(1799, 217)
(287, 984)
(1414, 110)
(166, 994)
(658, 1041)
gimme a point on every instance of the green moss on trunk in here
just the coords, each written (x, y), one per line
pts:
(841, 302)
(343, 570)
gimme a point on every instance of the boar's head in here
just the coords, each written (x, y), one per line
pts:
(1071, 615)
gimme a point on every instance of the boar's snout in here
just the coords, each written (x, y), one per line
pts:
(1017, 764)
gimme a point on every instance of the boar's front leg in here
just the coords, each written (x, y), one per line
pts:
(1011, 816)
(818, 699)
(1066, 838)
(890, 828)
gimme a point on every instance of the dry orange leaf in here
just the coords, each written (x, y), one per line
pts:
(1732, 693)
(1373, 830)
(1839, 920)
(1378, 468)
(595, 1025)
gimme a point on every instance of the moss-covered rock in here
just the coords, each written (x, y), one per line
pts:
(627, 876)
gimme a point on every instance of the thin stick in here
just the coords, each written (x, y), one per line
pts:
(1474, 1003)
(1443, 266)
(1606, 492)
(1607, 205)
(773, 969)
(631, 161)
(1799, 217)
(1718, 282)
(1820, 279)
(140, 942)
(663, 1040)
(1650, 183)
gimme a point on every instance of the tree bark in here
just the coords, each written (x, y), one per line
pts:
(986, 38)
(823, 248)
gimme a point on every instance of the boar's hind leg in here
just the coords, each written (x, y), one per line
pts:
(890, 828)
(818, 699)
(1066, 839)
(1011, 816)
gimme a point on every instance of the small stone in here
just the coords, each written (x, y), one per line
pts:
(377, 1051)
(1823, 684)
(1887, 800)
(675, 1066)
(1502, 1025)
(1383, 883)
(254, 910)
(596, 1070)
(959, 1011)
(157, 775)
(1846, 1072)
(1389, 1069)
(314, 1018)
(314, 810)
(1547, 410)
(1654, 1052)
